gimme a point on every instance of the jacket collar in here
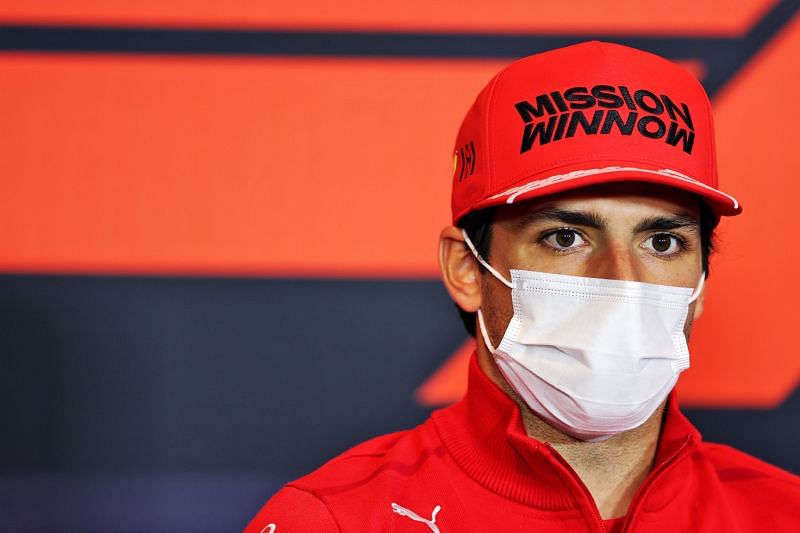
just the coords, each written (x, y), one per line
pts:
(485, 436)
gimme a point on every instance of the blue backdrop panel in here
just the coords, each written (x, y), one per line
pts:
(163, 404)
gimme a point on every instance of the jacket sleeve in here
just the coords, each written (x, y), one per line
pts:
(292, 510)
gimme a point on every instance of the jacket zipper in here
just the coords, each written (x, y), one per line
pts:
(648, 484)
(581, 484)
(640, 494)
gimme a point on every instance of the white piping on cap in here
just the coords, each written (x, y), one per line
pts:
(514, 192)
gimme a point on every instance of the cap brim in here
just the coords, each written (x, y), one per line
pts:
(567, 179)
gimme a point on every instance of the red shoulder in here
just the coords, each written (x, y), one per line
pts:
(362, 462)
(762, 496)
(342, 492)
(733, 465)
(293, 509)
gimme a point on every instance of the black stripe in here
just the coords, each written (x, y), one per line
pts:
(115, 375)
(723, 56)
(110, 374)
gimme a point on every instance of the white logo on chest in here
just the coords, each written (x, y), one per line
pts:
(402, 511)
(269, 528)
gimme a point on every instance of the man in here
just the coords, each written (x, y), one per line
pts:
(584, 203)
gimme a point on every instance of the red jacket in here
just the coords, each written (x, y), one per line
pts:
(472, 468)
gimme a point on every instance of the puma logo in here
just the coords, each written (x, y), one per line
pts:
(402, 511)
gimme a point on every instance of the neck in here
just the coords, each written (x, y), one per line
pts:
(612, 470)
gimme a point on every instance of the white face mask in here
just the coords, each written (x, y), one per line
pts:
(593, 357)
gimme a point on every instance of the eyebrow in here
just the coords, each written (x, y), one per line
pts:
(678, 220)
(573, 218)
(595, 220)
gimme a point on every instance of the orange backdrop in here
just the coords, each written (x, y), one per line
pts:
(134, 164)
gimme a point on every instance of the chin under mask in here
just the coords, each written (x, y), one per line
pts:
(592, 357)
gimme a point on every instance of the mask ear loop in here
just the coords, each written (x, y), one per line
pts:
(699, 289)
(486, 265)
(484, 334)
(498, 276)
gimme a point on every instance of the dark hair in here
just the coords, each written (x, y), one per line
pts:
(478, 226)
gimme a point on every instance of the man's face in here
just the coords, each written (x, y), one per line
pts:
(638, 232)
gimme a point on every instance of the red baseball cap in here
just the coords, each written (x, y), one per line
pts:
(585, 114)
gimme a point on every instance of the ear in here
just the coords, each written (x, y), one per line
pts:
(460, 271)
(698, 304)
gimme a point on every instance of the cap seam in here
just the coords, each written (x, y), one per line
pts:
(487, 133)
(710, 120)
(711, 133)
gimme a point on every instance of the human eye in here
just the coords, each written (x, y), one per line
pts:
(563, 239)
(664, 244)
